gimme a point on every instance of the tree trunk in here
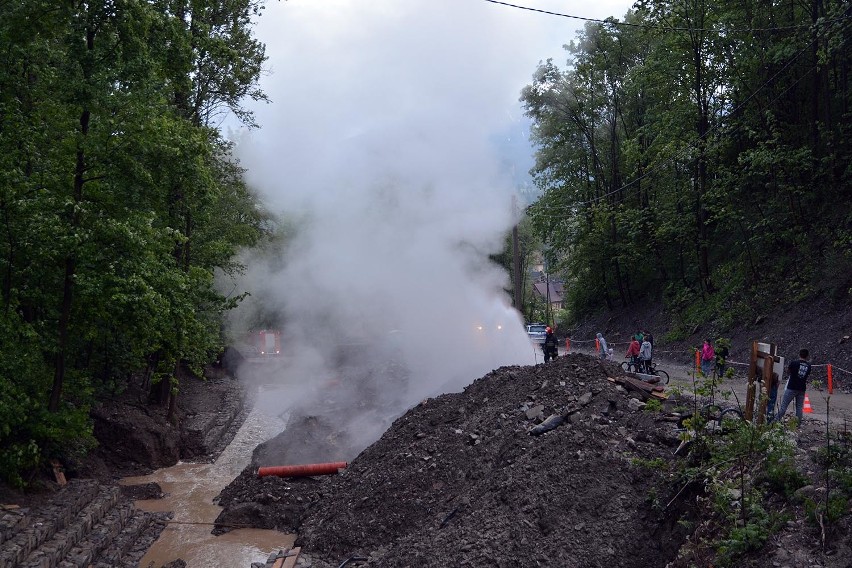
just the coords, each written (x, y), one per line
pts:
(70, 269)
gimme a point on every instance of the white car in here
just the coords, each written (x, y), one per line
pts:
(537, 332)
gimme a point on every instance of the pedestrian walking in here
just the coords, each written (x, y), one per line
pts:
(797, 382)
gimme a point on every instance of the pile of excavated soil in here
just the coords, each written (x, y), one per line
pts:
(460, 480)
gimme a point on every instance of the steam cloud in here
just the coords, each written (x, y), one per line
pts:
(379, 147)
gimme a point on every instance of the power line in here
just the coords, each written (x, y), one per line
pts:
(614, 22)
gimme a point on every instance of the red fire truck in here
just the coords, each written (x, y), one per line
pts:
(267, 342)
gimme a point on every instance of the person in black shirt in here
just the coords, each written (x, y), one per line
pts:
(722, 357)
(797, 382)
(550, 347)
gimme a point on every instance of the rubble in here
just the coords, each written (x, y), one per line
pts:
(547, 471)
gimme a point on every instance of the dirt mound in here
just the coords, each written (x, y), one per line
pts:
(460, 480)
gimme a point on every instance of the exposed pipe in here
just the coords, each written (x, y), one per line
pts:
(301, 470)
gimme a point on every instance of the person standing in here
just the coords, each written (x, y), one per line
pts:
(708, 358)
(645, 354)
(633, 353)
(797, 382)
(721, 356)
(550, 348)
(602, 344)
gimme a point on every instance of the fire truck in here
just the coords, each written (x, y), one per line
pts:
(266, 342)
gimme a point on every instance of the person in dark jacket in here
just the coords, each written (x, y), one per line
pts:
(722, 357)
(550, 346)
(797, 382)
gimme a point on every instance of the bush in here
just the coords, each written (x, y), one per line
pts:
(29, 434)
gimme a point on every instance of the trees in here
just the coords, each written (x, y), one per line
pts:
(121, 200)
(688, 151)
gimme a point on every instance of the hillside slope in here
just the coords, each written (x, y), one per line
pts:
(823, 326)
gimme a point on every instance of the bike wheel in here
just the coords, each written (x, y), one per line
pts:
(664, 376)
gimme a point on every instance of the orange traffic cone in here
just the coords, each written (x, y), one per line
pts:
(807, 409)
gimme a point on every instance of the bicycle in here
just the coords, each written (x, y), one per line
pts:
(631, 367)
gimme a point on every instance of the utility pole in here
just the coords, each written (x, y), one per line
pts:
(549, 316)
(518, 300)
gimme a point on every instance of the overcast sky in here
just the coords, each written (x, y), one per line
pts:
(418, 71)
(389, 133)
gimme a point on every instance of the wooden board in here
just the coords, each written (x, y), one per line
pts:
(289, 559)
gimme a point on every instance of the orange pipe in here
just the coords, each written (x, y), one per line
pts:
(301, 470)
(597, 345)
(830, 381)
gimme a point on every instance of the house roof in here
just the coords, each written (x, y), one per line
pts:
(557, 290)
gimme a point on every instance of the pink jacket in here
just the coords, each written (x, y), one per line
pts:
(707, 352)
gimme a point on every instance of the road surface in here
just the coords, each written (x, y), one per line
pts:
(839, 402)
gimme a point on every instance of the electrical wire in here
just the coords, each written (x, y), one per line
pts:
(614, 22)
(553, 212)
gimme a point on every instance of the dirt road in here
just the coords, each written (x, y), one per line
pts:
(839, 403)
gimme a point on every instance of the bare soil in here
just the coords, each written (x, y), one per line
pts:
(459, 480)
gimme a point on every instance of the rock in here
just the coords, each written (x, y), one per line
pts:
(610, 408)
(552, 422)
(535, 412)
(635, 404)
(585, 399)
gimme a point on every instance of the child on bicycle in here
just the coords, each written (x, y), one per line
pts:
(633, 352)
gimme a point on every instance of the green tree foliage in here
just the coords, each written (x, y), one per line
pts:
(119, 201)
(700, 152)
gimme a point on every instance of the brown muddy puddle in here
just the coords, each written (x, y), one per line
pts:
(190, 489)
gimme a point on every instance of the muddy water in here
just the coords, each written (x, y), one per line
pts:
(190, 489)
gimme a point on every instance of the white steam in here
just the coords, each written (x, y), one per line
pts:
(379, 145)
